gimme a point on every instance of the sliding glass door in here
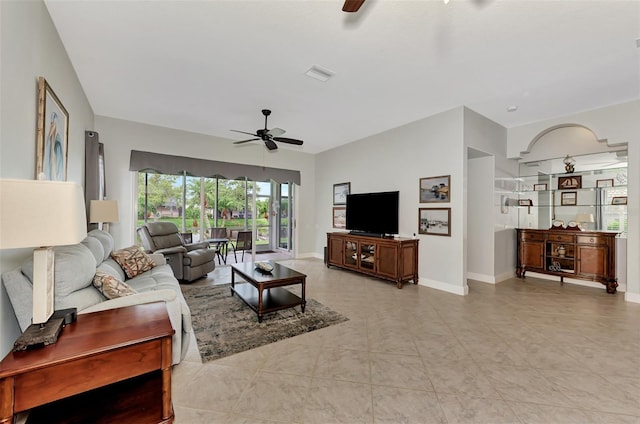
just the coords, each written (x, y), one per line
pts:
(196, 204)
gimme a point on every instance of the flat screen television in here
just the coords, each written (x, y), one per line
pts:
(374, 214)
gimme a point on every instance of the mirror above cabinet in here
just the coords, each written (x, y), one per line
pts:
(592, 197)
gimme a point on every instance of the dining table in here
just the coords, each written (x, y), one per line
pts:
(221, 247)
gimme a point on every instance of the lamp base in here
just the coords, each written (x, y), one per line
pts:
(39, 335)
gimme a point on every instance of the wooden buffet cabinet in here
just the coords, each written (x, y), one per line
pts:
(584, 255)
(394, 259)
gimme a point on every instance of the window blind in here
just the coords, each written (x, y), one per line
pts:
(176, 165)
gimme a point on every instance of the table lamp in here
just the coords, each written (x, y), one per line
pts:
(584, 218)
(102, 212)
(41, 214)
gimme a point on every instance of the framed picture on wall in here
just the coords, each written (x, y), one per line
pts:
(340, 192)
(619, 200)
(52, 135)
(435, 189)
(605, 183)
(539, 187)
(340, 217)
(434, 221)
(574, 181)
(569, 198)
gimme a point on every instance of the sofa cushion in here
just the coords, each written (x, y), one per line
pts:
(112, 267)
(110, 286)
(162, 229)
(133, 260)
(166, 241)
(105, 239)
(74, 267)
(198, 257)
(96, 248)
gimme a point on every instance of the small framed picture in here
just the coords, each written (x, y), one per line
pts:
(539, 187)
(340, 192)
(434, 221)
(619, 200)
(339, 217)
(604, 183)
(435, 189)
(569, 198)
(565, 183)
(52, 135)
(525, 202)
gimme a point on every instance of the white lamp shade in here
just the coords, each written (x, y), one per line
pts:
(37, 213)
(585, 217)
(103, 211)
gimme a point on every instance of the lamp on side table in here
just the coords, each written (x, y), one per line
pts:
(103, 212)
(41, 214)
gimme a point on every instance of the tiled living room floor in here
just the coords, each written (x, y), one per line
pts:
(518, 352)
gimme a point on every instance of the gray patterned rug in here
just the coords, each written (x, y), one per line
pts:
(225, 325)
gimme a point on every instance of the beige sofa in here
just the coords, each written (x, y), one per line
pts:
(75, 267)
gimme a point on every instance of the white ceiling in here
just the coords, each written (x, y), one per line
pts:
(211, 66)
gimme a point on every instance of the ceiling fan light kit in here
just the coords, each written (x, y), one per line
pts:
(269, 136)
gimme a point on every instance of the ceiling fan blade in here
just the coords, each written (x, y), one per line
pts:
(288, 140)
(243, 132)
(275, 132)
(270, 144)
(245, 141)
(352, 5)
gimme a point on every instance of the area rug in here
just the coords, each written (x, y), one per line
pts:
(225, 325)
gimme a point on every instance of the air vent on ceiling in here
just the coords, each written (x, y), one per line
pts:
(319, 73)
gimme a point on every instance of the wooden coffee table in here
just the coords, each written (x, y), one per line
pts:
(263, 292)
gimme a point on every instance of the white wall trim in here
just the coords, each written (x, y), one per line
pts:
(491, 279)
(632, 297)
(505, 276)
(481, 277)
(586, 283)
(439, 285)
(309, 255)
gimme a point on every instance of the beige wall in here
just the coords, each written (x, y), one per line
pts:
(31, 48)
(616, 124)
(120, 137)
(396, 160)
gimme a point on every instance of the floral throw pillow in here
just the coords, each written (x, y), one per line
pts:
(133, 261)
(110, 286)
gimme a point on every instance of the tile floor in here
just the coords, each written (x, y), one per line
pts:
(517, 352)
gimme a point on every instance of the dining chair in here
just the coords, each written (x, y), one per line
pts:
(219, 246)
(243, 242)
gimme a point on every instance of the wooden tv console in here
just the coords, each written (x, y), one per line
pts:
(584, 255)
(394, 259)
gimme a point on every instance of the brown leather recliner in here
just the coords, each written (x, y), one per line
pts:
(188, 261)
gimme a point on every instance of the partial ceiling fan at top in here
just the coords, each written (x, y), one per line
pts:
(352, 5)
(269, 136)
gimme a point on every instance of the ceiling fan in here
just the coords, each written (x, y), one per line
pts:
(269, 136)
(352, 5)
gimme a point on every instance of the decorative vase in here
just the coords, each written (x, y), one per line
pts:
(561, 251)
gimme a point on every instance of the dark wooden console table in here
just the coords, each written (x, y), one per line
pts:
(394, 259)
(584, 255)
(107, 367)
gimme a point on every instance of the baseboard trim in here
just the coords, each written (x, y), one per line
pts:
(309, 255)
(632, 297)
(483, 278)
(449, 288)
